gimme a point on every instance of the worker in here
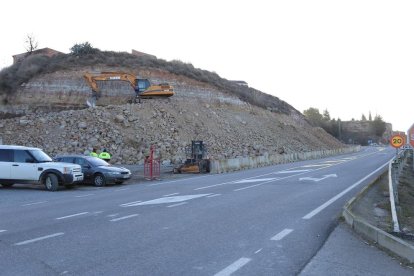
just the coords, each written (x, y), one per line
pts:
(93, 153)
(105, 155)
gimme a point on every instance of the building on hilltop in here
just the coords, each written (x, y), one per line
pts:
(44, 51)
(141, 54)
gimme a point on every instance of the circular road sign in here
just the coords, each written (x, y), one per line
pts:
(397, 141)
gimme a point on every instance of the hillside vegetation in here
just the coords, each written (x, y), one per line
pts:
(13, 77)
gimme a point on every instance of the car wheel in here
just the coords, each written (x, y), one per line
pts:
(99, 180)
(51, 182)
(7, 185)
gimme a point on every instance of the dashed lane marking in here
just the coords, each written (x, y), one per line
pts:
(172, 194)
(233, 267)
(122, 189)
(214, 195)
(255, 180)
(40, 238)
(292, 171)
(178, 204)
(279, 236)
(74, 215)
(248, 187)
(130, 204)
(125, 217)
(1, 231)
(34, 203)
(84, 195)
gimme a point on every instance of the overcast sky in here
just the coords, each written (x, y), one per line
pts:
(350, 57)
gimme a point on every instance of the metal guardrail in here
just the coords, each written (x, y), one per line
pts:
(396, 166)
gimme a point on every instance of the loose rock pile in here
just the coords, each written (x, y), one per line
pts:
(127, 131)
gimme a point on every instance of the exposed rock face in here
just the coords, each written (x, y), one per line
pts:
(198, 111)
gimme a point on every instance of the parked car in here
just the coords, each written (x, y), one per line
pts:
(19, 164)
(97, 171)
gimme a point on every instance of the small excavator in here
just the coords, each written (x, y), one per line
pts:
(142, 87)
(197, 161)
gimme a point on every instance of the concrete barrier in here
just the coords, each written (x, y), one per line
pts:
(235, 164)
(382, 238)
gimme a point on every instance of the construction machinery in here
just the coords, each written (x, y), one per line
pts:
(142, 87)
(197, 161)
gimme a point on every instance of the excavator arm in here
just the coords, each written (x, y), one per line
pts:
(108, 76)
(142, 87)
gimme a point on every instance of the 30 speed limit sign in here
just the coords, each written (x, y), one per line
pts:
(397, 141)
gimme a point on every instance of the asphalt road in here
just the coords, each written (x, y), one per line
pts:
(265, 221)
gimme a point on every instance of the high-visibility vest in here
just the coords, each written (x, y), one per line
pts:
(94, 154)
(104, 155)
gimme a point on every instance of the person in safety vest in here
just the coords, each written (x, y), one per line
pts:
(93, 153)
(105, 155)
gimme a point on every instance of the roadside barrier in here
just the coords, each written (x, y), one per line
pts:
(235, 164)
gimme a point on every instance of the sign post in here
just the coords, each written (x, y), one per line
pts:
(411, 139)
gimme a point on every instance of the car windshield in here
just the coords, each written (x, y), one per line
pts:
(40, 156)
(97, 162)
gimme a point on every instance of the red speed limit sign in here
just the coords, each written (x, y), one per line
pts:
(397, 141)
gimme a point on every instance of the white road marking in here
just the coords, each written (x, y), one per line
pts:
(74, 215)
(248, 187)
(332, 200)
(214, 195)
(233, 267)
(130, 204)
(178, 204)
(40, 238)
(318, 179)
(34, 203)
(255, 180)
(291, 171)
(184, 179)
(122, 189)
(172, 199)
(112, 215)
(311, 166)
(84, 195)
(97, 212)
(1, 231)
(258, 251)
(122, 218)
(279, 236)
(172, 194)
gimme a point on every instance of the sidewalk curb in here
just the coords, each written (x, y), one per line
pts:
(382, 238)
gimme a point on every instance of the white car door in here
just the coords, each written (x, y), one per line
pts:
(23, 167)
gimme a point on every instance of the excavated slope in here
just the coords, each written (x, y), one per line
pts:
(198, 111)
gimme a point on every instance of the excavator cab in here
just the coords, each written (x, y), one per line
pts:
(142, 85)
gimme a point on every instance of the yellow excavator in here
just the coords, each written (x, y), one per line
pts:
(142, 87)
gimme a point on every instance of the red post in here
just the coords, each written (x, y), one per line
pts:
(152, 166)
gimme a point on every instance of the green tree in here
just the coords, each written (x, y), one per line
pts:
(82, 49)
(370, 116)
(363, 118)
(326, 115)
(314, 117)
(378, 126)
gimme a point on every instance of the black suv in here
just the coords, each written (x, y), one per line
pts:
(97, 171)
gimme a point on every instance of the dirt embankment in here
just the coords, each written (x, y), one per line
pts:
(230, 126)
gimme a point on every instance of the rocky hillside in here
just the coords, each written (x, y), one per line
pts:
(231, 124)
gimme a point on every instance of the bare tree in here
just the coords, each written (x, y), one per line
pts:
(31, 43)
